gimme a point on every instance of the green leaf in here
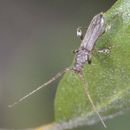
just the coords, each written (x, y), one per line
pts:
(108, 76)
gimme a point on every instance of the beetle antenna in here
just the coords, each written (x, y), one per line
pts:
(40, 87)
(85, 86)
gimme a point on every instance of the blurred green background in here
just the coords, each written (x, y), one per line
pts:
(36, 41)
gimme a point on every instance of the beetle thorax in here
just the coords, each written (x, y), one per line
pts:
(82, 57)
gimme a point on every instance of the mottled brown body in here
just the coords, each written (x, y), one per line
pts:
(83, 54)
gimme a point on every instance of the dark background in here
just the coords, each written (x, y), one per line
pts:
(36, 40)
